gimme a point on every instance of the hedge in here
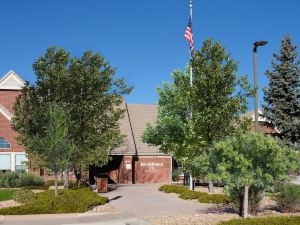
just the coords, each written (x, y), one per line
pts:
(202, 197)
(68, 201)
(15, 180)
(43, 187)
(283, 220)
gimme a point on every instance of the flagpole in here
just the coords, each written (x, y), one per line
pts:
(191, 69)
(191, 84)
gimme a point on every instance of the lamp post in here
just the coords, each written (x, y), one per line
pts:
(255, 45)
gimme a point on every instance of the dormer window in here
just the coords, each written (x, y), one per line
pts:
(4, 144)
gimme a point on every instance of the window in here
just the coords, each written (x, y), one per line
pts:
(4, 143)
(4, 162)
(20, 163)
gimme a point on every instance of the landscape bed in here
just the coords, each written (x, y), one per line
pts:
(202, 197)
(283, 220)
(68, 201)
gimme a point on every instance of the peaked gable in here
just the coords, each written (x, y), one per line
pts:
(11, 81)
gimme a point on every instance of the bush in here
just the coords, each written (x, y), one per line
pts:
(175, 174)
(68, 201)
(188, 194)
(173, 189)
(9, 180)
(255, 197)
(24, 196)
(202, 197)
(28, 179)
(51, 182)
(14, 180)
(288, 197)
(284, 220)
(43, 187)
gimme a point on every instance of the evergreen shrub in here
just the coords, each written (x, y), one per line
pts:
(24, 196)
(283, 220)
(202, 197)
(288, 197)
(68, 201)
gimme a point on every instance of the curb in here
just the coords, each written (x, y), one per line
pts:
(39, 216)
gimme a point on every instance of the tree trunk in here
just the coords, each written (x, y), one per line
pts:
(241, 198)
(66, 179)
(211, 187)
(191, 183)
(55, 184)
(78, 176)
(245, 203)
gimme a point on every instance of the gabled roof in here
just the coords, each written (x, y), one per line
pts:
(133, 125)
(11, 81)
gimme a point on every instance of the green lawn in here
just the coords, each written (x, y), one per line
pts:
(6, 194)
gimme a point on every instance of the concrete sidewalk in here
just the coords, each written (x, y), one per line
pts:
(146, 201)
(68, 219)
(132, 203)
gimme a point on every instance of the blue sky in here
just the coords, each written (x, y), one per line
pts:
(143, 39)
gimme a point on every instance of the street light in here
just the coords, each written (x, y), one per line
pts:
(255, 45)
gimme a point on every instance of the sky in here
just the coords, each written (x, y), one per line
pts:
(143, 39)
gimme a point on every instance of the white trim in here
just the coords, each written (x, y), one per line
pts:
(13, 162)
(5, 112)
(19, 82)
(13, 159)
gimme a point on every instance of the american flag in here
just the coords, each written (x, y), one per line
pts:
(189, 36)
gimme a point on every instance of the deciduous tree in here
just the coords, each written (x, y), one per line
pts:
(217, 98)
(88, 89)
(252, 161)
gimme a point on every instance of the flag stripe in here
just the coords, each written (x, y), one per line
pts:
(189, 36)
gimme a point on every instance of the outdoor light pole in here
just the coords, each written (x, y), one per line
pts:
(255, 45)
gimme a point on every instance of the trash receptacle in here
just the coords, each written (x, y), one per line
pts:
(102, 183)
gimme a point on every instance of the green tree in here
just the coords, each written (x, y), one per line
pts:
(252, 161)
(53, 148)
(282, 96)
(88, 89)
(217, 98)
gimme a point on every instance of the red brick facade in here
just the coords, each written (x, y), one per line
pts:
(7, 99)
(145, 169)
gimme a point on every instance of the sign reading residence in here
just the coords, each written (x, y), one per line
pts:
(152, 164)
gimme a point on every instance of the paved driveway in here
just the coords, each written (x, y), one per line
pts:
(132, 203)
(145, 200)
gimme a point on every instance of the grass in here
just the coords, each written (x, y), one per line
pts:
(6, 194)
(202, 197)
(68, 201)
(282, 220)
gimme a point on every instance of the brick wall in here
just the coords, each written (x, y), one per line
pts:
(7, 99)
(148, 169)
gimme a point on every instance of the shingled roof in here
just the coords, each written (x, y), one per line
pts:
(132, 126)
